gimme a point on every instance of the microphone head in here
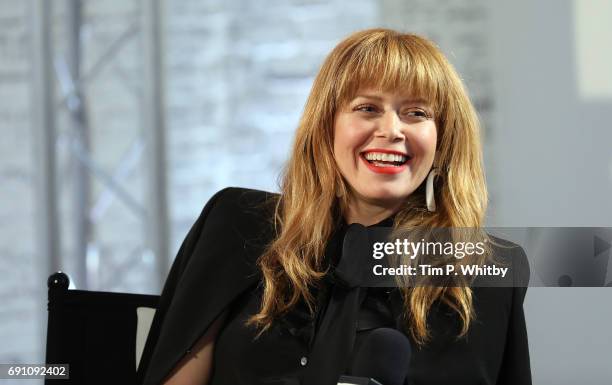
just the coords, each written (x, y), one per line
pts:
(382, 354)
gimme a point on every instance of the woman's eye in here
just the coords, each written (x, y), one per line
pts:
(416, 113)
(366, 108)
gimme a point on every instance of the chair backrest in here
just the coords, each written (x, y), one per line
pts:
(101, 335)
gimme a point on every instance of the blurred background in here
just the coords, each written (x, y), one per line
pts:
(119, 119)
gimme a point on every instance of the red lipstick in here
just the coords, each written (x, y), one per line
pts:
(385, 169)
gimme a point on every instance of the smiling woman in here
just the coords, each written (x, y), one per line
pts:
(384, 145)
(266, 288)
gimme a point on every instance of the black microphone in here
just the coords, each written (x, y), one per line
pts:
(380, 356)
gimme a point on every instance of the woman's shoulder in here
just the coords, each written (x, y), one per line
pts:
(241, 200)
(238, 217)
(239, 206)
(512, 256)
(503, 289)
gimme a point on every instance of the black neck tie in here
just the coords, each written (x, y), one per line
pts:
(335, 338)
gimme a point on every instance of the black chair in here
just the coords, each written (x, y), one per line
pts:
(96, 332)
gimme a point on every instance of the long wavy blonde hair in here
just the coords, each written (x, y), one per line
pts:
(311, 181)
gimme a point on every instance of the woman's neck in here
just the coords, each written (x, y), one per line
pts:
(367, 213)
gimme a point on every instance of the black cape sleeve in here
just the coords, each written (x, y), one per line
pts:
(214, 265)
(495, 350)
(516, 367)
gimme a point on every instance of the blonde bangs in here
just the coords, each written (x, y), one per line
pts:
(395, 64)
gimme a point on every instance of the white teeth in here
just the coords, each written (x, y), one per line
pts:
(380, 164)
(385, 157)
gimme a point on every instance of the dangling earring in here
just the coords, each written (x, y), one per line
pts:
(430, 200)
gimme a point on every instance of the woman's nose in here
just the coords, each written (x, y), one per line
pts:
(390, 126)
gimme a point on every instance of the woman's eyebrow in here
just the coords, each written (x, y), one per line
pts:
(405, 100)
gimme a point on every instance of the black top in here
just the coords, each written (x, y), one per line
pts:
(215, 270)
(281, 354)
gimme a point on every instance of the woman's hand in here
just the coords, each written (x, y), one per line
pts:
(195, 368)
